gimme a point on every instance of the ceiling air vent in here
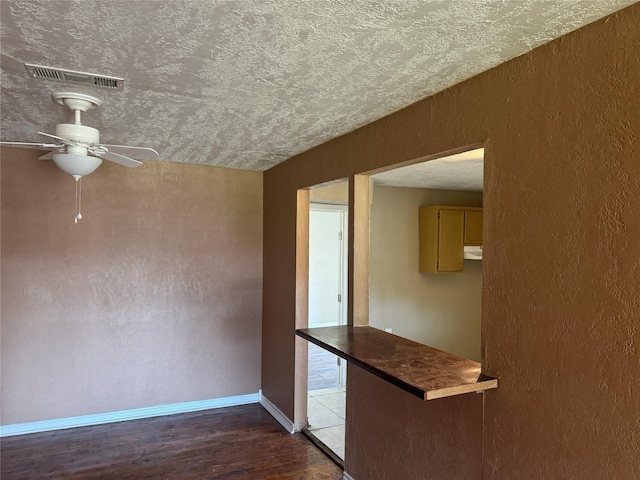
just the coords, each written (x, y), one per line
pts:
(79, 78)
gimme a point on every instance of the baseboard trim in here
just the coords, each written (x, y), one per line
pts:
(123, 415)
(346, 476)
(276, 413)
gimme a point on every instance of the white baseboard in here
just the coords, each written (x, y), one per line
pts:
(346, 476)
(276, 413)
(135, 414)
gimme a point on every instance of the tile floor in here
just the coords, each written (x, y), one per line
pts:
(326, 411)
(323, 368)
(326, 401)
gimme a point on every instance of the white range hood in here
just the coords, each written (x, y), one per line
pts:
(473, 253)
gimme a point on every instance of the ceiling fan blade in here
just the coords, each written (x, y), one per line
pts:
(46, 156)
(143, 153)
(63, 140)
(40, 146)
(119, 159)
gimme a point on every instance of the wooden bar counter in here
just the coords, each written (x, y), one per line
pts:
(423, 371)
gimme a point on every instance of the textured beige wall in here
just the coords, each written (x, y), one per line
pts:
(382, 435)
(561, 275)
(442, 311)
(337, 193)
(154, 298)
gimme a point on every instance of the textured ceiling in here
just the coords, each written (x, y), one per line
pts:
(463, 171)
(250, 83)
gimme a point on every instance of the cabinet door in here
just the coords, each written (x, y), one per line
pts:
(450, 241)
(472, 228)
(429, 227)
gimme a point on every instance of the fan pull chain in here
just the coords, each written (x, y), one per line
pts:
(78, 179)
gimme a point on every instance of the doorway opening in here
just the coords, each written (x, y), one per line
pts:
(322, 288)
(326, 402)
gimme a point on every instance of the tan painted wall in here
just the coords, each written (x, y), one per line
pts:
(154, 298)
(561, 275)
(442, 311)
(447, 444)
(337, 193)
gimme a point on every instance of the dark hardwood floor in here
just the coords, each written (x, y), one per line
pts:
(236, 442)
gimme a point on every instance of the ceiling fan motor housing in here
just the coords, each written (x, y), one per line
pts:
(78, 133)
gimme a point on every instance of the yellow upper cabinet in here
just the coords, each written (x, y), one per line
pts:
(444, 231)
(473, 227)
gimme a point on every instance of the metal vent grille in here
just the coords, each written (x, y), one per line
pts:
(70, 76)
(46, 73)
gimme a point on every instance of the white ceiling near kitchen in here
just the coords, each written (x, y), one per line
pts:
(249, 83)
(462, 171)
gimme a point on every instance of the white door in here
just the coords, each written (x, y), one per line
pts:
(326, 278)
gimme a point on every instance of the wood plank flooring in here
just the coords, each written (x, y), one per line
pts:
(229, 443)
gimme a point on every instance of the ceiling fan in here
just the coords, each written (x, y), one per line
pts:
(77, 149)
